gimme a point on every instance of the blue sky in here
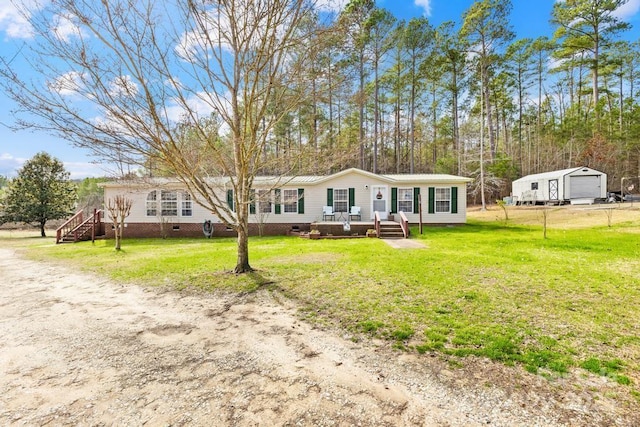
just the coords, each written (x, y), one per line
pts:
(530, 18)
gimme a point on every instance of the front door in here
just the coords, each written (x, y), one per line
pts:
(379, 202)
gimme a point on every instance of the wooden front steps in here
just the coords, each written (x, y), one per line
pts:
(77, 228)
(391, 230)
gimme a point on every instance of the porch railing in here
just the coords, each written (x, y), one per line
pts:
(69, 226)
(376, 222)
(77, 226)
(404, 223)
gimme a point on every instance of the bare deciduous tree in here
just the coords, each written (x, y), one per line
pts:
(119, 209)
(120, 77)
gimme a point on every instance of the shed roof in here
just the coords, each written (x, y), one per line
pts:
(552, 174)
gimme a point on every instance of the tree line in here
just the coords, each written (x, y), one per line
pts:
(468, 98)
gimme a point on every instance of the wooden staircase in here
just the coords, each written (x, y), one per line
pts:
(391, 230)
(77, 228)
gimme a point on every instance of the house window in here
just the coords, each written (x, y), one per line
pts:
(405, 199)
(187, 205)
(290, 200)
(152, 203)
(341, 200)
(169, 203)
(264, 201)
(443, 199)
(534, 185)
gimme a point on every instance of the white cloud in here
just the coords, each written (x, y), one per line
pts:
(123, 86)
(67, 84)
(330, 5)
(9, 164)
(197, 105)
(15, 22)
(81, 170)
(64, 27)
(424, 4)
(627, 10)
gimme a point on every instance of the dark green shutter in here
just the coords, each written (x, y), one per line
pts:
(416, 199)
(454, 200)
(300, 200)
(394, 200)
(230, 199)
(352, 197)
(277, 201)
(329, 196)
(252, 201)
(432, 200)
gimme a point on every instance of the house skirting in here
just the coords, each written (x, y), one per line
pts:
(171, 229)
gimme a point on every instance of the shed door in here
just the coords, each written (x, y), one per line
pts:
(585, 186)
(553, 189)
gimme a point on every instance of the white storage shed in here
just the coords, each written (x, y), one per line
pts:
(575, 185)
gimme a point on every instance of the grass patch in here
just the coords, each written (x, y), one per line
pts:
(489, 288)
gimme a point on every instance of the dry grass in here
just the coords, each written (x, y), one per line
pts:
(562, 217)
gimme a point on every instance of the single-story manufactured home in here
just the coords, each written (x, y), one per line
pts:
(284, 204)
(575, 185)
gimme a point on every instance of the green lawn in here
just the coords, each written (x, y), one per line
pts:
(486, 288)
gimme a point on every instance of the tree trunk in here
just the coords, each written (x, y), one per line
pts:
(242, 265)
(456, 132)
(361, 112)
(487, 102)
(42, 233)
(376, 114)
(396, 133)
(242, 228)
(412, 115)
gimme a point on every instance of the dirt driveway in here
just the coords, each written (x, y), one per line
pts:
(80, 350)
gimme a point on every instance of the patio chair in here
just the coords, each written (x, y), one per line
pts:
(327, 212)
(354, 213)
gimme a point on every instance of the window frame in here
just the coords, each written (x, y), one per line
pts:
(186, 204)
(263, 198)
(151, 203)
(407, 200)
(168, 203)
(442, 200)
(290, 200)
(340, 204)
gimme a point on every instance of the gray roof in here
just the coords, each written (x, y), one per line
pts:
(311, 179)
